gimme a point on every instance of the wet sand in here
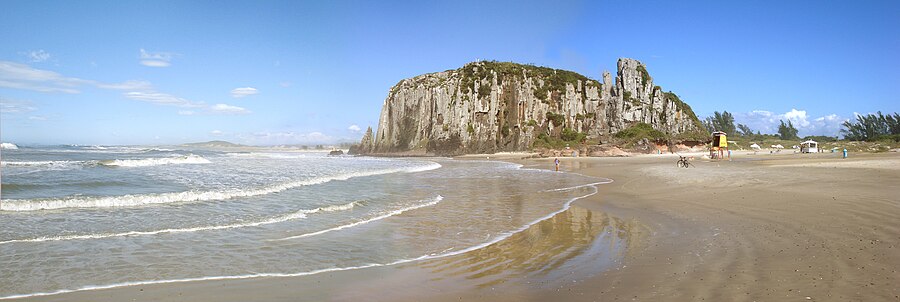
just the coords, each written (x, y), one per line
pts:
(761, 227)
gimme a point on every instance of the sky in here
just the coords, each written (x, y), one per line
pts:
(317, 72)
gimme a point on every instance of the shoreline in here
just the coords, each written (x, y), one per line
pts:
(750, 235)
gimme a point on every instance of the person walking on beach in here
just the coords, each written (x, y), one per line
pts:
(557, 164)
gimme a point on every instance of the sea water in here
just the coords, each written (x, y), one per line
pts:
(90, 217)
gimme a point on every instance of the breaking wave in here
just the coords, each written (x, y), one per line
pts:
(433, 201)
(188, 196)
(147, 162)
(437, 255)
(301, 214)
(8, 146)
(47, 163)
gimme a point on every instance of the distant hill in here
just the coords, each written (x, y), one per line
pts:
(213, 144)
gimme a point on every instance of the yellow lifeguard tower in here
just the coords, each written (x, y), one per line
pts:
(719, 145)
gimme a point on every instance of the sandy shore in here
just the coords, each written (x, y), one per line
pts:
(759, 228)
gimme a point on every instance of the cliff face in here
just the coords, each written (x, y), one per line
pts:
(487, 107)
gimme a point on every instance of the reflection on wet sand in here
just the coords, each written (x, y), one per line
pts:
(575, 243)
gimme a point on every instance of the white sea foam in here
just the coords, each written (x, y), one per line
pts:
(8, 146)
(188, 196)
(433, 201)
(48, 163)
(147, 162)
(269, 155)
(301, 214)
(566, 206)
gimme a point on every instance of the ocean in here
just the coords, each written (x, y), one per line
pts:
(76, 218)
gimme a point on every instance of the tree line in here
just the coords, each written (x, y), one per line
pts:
(867, 127)
(873, 127)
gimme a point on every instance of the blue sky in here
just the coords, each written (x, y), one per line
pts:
(263, 73)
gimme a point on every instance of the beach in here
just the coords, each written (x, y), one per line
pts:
(759, 227)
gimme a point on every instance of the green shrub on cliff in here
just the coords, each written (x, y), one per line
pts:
(645, 76)
(570, 135)
(557, 119)
(640, 131)
(686, 109)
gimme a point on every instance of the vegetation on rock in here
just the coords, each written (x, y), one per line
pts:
(641, 131)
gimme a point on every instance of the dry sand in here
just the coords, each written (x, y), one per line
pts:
(762, 227)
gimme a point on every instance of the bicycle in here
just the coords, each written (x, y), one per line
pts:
(683, 162)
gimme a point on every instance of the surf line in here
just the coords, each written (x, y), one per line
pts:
(566, 206)
(301, 214)
(434, 201)
(24, 205)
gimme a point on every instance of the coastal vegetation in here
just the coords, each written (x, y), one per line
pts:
(787, 131)
(684, 107)
(645, 76)
(567, 138)
(641, 131)
(871, 127)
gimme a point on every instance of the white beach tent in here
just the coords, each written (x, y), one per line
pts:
(809, 146)
(754, 146)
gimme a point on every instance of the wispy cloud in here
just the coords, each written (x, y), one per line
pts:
(228, 109)
(162, 99)
(21, 76)
(10, 106)
(354, 128)
(37, 56)
(156, 59)
(128, 85)
(768, 122)
(216, 133)
(243, 91)
(37, 118)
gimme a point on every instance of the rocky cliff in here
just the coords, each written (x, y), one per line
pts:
(486, 107)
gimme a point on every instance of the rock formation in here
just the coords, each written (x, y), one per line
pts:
(486, 107)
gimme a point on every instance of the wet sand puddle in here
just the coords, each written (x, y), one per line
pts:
(570, 246)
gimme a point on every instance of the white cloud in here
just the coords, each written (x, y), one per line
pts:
(156, 59)
(798, 117)
(354, 128)
(768, 122)
(128, 85)
(9, 106)
(37, 56)
(228, 109)
(37, 118)
(159, 98)
(244, 91)
(21, 76)
(162, 99)
(154, 63)
(216, 132)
